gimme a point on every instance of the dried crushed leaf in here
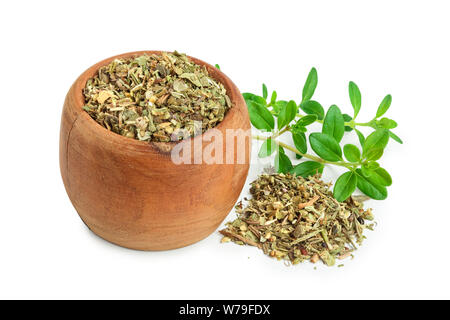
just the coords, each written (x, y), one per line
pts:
(298, 219)
(161, 98)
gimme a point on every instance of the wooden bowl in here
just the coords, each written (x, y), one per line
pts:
(130, 193)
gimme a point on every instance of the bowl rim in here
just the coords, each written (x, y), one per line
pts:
(79, 101)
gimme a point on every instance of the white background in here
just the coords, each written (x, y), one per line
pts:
(397, 47)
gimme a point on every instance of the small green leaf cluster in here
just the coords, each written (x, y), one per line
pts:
(362, 162)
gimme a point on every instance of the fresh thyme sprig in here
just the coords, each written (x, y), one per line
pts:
(364, 171)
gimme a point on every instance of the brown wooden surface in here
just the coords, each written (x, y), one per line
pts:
(130, 193)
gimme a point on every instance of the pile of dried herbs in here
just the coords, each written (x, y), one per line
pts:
(162, 98)
(298, 219)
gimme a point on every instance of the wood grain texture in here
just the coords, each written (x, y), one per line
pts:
(130, 193)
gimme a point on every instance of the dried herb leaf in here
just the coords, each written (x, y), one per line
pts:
(297, 219)
(155, 97)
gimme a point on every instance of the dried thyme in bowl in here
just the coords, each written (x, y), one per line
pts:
(156, 97)
(298, 219)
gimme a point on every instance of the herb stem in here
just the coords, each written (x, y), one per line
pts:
(367, 124)
(279, 133)
(351, 124)
(305, 155)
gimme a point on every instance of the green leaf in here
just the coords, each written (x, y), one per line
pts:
(282, 162)
(387, 123)
(381, 176)
(384, 106)
(307, 168)
(376, 140)
(277, 106)
(313, 107)
(260, 116)
(325, 146)
(306, 120)
(365, 170)
(287, 114)
(295, 128)
(345, 185)
(264, 91)
(333, 124)
(217, 66)
(310, 85)
(347, 118)
(267, 148)
(371, 165)
(377, 174)
(300, 142)
(374, 154)
(360, 137)
(370, 188)
(352, 153)
(255, 98)
(273, 99)
(355, 97)
(395, 137)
